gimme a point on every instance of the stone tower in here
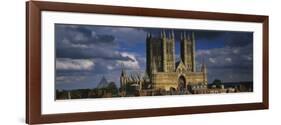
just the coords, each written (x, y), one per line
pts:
(160, 53)
(123, 79)
(162, 70)
(188, 51)
(168, 43)
(204, 71)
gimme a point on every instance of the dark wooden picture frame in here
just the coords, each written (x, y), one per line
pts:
(33, 62)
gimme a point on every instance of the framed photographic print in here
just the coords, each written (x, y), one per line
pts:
(93, 62)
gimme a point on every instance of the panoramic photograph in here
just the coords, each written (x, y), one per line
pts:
(110, 61)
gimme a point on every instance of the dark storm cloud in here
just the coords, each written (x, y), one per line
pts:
(105, 38)
(200, 34)
(96, 42)
(97, 51)
(209, 35)
(127, 35)
(86, 53)
(82, 29)
(79, 42)
(90, 53)
(81, 35)
(228, 63)
(226, 38)
(238, 39)
(99, 39)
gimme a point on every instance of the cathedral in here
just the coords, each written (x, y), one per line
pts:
(162, 70)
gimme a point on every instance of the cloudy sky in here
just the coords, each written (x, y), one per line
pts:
(86, 53)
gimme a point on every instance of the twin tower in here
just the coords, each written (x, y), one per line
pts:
(161, 52)
(162, 70)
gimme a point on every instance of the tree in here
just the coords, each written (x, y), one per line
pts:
(217, 82)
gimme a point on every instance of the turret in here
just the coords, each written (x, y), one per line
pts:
(163, 34)
(173, 51)
(203, 68)
(148, 35)
(123, 73)
(193, 51)
(204, 71)
(173, 34)
(123, 78)
(164, 52)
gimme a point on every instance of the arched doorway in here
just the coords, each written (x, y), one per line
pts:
(181, 84)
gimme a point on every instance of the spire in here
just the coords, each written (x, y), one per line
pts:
(193, 36)
(202, 63)
(132, 77)
(164, 33)
(193, 52)
(123, 73)
(148, 35)
(203, 67)
(204, 71)
(173, 34)
(188, 36)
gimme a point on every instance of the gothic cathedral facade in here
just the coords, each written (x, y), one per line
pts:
(163, 70)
